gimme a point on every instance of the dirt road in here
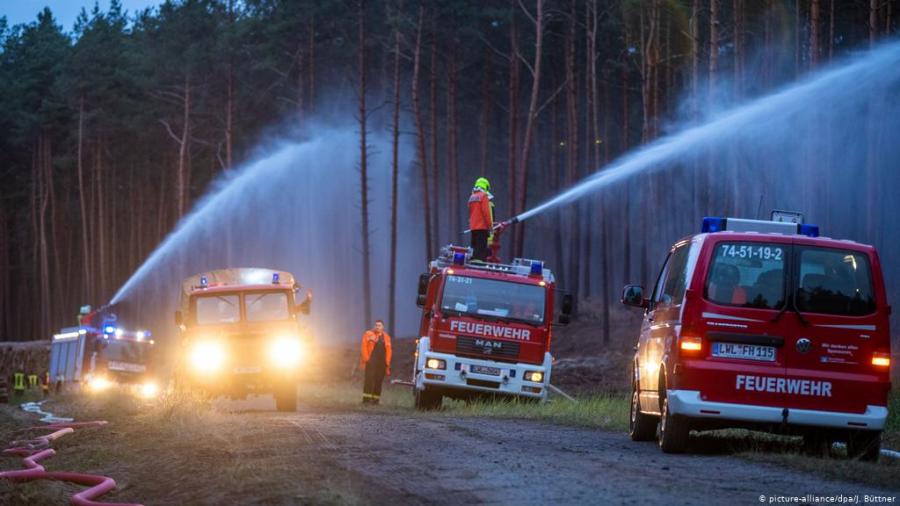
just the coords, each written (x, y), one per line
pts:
(399, 458)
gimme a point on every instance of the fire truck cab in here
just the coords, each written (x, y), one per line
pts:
(764, 325)
(485, 329)
(242, 332)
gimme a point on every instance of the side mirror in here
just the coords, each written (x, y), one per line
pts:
(567, 304)
(179, 318)
(305, 306)
(633, 295)
(422, 289)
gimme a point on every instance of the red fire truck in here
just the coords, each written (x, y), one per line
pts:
(485, 329)
(764, 325)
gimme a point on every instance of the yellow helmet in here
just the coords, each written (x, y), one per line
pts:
(483, 184)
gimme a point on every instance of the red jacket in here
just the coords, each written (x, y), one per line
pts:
(481, 216)
(369, 339)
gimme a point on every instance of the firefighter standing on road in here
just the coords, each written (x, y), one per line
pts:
(375, 357)
(481, 218)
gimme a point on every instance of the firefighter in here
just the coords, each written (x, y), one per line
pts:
(45, 384)
(19, 383)
(375, 357)
(481, 218)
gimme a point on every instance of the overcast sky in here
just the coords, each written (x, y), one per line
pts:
(65, 11)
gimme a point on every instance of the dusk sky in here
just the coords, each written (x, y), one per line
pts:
(65, 11)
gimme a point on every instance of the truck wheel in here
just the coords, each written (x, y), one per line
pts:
(641, 427)
(286, 398)
(427, 401)
(864, 445)
(673, 430)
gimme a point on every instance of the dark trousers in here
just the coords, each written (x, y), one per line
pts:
(480, 250)
(375, 370)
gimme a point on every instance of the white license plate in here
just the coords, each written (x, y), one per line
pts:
(483, 369)
(744, 351)
(247, 370)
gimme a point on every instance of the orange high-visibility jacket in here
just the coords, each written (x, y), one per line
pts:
(369, 339)
(481, 216)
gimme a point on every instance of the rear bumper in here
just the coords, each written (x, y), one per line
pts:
(688, 403)
(458, 375)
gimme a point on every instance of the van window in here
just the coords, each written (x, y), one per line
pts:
(212, 309)
(673, 281)
(747, 275)
(837, 282)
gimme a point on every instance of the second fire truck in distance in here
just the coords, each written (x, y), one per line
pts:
(764, 325)
(485, 329)
(242, 332)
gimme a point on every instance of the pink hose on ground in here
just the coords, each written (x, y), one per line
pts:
(37, 449)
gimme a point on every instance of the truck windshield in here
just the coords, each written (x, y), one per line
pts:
(267, 306)
(124, 351)
(833, 281)
(491, 298)
(747, 275)
(211, 309)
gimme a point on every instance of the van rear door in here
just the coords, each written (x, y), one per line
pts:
(835, 332)
(744, 292)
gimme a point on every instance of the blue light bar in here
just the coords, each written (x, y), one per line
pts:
(459, 258)
(537, 268)
(204, 282)
(275, 278)
(808, 230)
(711, 225)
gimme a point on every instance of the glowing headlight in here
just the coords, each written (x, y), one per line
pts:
(208, 356)
(535, 376)
(149, 390)
(99, 383)
(435, 363)
(286, 351)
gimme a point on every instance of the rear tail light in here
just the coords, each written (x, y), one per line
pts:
(881, 360)
(689, 343)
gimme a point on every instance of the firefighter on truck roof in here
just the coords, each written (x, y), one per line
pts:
(481, 218)
(375, 357)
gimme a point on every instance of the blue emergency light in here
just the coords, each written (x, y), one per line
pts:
(459, 258)
(808, 230)
(275, 278)
(537, 268)
(204, 282)
(109, 329)
(711, 225)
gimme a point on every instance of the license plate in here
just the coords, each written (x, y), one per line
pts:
(125, 366)
(744, 351)
(247, 370)
(483, 369)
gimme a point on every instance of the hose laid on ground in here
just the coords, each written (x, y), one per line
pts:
(37, 449)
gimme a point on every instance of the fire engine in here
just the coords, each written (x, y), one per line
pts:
(764, 325)
(485, 328)
(242, 333)
(100, 353)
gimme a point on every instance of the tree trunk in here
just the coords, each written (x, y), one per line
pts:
(87, 279)
(873, 22)
(813, 33)
(363, 167)
(420, 134)
(101, 221)
(453, 193)
(513, 91)
(571, 144)
(435, 164)
(695, 59)
(395, 164)
(530, 120)
(738, 48)
(485, 113)
(713, 43)
(830, 30)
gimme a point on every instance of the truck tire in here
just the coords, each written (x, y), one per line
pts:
(286, 398)
(673, 430)
(641, 426)
(427, 400)
(864, 445)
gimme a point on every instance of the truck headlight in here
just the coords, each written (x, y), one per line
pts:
(535, 376)
(149, 390)
(286, 351)
(435, 363)
(98, 383)
(208, 356)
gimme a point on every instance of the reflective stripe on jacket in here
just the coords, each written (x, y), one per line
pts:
(481, 216)
(369, 339)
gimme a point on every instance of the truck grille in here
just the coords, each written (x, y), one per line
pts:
(487, 347)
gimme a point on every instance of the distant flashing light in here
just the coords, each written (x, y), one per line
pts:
(109, 329)
(204, 282)
(459, 258)
(119, 333)
(82, 331)
(140, 335)
(275, 278)
(537, 268)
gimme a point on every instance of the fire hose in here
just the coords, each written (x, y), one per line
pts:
(38, 449)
